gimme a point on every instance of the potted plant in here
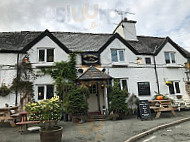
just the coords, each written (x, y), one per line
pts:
(118, 104)
(76, 104)
(168, 83)
(4, 90)
(49, 112)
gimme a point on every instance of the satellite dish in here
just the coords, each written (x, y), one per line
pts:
(80, 70)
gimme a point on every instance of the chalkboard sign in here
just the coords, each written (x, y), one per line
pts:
(144, 109)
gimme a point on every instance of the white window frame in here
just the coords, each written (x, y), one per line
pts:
(118, 58)
(174, 81)
(170, 57)
(45, 90)
(45, 55)
(121, 84)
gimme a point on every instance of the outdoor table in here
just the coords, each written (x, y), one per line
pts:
(6, 114)
(23, 116)
(161, 105)
(24, 121)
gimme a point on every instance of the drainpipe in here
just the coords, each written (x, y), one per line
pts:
(16, 91)
(156, 73)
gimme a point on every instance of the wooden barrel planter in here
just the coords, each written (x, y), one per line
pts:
(54, 135)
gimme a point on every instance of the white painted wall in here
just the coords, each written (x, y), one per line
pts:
(127, 30)
(129, 69)
(145, 73)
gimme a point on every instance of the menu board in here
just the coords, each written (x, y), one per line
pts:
(144, 109)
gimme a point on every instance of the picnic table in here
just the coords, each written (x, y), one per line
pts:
(24, 121)
(161, 105)
(10, 114)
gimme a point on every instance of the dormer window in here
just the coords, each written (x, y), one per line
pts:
(117, 55)
(169, 57)
(46, 55)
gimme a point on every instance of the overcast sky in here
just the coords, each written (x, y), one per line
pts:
(154, 17)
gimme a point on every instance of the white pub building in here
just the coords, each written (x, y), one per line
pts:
(143, 64)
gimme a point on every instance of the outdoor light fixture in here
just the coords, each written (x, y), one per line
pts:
(26, 59)
(187, 66)
(139, 60)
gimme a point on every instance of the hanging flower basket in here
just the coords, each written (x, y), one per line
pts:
(168, 83)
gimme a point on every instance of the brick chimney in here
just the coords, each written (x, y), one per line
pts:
(127, 30)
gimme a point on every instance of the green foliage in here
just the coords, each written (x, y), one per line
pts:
(22, 86)
(133, 102)
(4, 90)
(64, 75)
(47, 111)
(118, 100)
(165, 97)
(76, 101)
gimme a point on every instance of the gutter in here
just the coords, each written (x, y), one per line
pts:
(16, 91)
(156, 72)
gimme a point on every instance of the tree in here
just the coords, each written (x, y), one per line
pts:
(118, 101)
(76, 101)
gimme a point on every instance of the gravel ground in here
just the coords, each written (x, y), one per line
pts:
(99, 131)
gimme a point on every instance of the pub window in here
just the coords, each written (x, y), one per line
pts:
(169, 57)
(45, 92)
(174, 88)
(46, 55)
(117, 55)
(93, 89)
(123, 84)
(50, 91)
(41, 55)
(148, 60)
(40, 93)
(144, 88)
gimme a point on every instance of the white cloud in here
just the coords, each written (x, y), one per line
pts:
(154, 17)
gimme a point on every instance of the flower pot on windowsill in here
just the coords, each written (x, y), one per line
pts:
(168, 83)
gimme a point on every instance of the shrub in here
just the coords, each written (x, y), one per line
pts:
(47, 111)
(4, 90)
(76, 101)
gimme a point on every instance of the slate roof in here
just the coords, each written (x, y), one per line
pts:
(16, 41)
(93, 73)
(82, 42)
(146, 44)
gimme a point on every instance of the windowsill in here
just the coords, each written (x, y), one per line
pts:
(44, 64)
(119, 64)
(173, 66)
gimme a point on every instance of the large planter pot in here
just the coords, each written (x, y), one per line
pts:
(53, 135)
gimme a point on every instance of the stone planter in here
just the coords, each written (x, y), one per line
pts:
(54, 135)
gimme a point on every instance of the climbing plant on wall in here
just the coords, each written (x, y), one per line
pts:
(22, 84)
(64, 74)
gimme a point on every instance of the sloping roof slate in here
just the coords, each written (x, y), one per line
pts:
(93, 73)
(146, 45)
(82, 42)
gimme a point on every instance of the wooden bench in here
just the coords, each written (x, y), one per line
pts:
(26, 123)
(161, 105)
(6, 114)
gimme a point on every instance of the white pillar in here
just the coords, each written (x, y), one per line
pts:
(106, 98)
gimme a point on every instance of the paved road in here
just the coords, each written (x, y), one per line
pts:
(100, 131)
(178, 133)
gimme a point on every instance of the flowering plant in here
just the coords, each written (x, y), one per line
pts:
(47, 111)
(168, 82)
